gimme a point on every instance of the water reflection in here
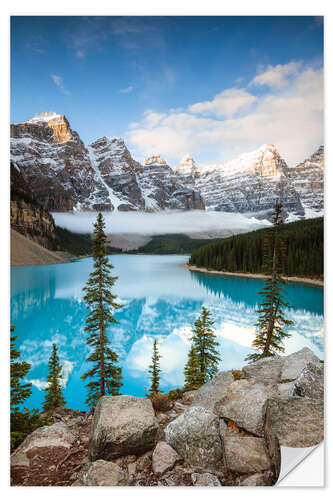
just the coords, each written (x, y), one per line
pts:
(161, 299)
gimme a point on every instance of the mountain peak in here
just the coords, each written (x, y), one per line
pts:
(46, 116)
(155, 160)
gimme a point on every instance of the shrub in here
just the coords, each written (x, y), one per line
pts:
(237, 374)
(176, 394)
(161, 402)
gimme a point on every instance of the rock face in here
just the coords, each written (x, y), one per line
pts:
(195, 436)
(123, 425)
(292, 421)
(246, 454)
(54, 436)
(211, 392)
(243, 404)
(26, 216)
(102, 473)
(253, 181)
(164, 458)
(64, 174)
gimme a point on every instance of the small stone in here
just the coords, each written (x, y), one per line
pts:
(205, 479)
(164, 458)
(102, 473)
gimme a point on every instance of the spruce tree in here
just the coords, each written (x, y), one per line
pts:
(106, 375)
(154, 370)
(53, 396)
(204, 345)
(192, 370)
(272, 321)
(19, 392)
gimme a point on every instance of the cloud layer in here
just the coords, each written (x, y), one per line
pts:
(282, 104)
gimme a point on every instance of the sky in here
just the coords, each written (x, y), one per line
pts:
(211, 87)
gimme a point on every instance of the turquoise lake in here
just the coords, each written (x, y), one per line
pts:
(161, 299)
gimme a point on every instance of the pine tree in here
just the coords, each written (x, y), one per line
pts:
(53, 396)
(204, 345)
(18, 370)
(192, 370)
(272, 322)
(154, 370)
(106, 375)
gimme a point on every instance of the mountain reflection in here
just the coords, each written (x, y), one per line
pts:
(160, 298)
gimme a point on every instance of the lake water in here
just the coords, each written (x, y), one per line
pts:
(161, 299)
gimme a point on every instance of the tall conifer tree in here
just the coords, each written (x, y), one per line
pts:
(154, 370)
(106, 375)
(204, 345)
(54, 396)
(19, 392)
(192, 370)
(272, 321)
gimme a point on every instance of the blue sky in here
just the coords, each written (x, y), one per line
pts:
(213, 87)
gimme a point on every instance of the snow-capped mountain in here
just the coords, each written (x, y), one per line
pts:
(253, 181)
(64, 174)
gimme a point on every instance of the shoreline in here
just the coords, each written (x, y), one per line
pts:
(294, 279)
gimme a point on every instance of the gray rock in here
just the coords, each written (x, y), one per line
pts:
(310, 383)
(258, 479)
(292, 421)
(295, 363)
(285, 389)
(57, 435)
(102, 473)
(245, 454)
(213, 391)
(205, 479)
(122, 425)
(180, 406)
(164, 458)
(195, 436)
(265, 370)
(188, 396)
(243, 404)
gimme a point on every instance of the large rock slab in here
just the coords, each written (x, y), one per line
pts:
(295, 363)
(292, 421)
(243, 404)
(57, 435)
(195, 436)
(310, 383)
(164, 458)
(102, 473)
(265, 370)
(245, 454)
(213, 391)
(122, 425)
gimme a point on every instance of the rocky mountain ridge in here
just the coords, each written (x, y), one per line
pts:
(66, 175)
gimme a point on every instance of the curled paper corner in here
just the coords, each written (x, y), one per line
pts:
(291, 458)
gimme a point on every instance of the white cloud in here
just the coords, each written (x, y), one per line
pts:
(59, 82)
(127, 90)
(277, 76)
(80, 54)
(226, 103)
(290, 115)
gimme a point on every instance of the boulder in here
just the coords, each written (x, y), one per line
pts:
(205, 479)
(213, 391)
(195, 435)
(285, 389)
(310, 383)
(258, 479)
(164, 458)
(243, 404)
(295, 363)
(245, 454)
(292, 421)
(122, 425)
(57, 435)
(101, 473)
(265, 370)
(188, 396)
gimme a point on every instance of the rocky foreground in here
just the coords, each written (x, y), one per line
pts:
(228, 433)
